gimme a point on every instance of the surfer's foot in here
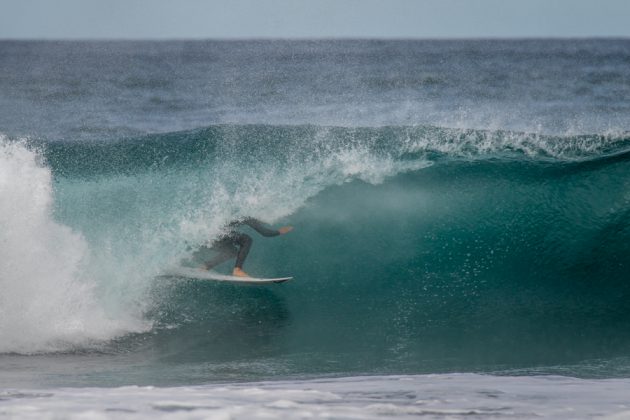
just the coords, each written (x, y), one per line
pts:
(239, 272)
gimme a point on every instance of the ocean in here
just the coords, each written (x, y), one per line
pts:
(461, 242)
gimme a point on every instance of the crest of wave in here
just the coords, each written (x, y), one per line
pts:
(46, 303)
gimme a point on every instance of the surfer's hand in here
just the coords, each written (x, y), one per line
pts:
(285, 229)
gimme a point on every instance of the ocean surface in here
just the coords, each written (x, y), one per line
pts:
(461, 242)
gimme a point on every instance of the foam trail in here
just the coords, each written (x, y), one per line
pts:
(46, 303)
(418, 396)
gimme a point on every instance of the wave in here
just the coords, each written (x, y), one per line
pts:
(411, 243)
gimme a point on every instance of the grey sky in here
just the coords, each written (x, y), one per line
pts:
(167, 19)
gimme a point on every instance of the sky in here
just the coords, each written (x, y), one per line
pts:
(221, 19)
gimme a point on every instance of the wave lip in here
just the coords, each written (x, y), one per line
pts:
(363, 151)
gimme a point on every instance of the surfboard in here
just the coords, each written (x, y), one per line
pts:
(200, 274)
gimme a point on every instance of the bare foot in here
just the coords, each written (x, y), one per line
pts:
(285, 229)
(239, 272)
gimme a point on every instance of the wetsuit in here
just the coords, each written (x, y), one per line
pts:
(237, 244)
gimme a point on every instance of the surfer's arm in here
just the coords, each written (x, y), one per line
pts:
(259, 227)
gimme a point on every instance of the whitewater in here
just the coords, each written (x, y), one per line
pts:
(461, 230)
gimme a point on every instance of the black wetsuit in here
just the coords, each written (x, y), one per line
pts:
(237, 244)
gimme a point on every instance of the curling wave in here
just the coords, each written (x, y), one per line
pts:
(413, 245)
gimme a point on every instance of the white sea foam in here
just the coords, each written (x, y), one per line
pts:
(271, 192)
(426, 396)
(46, 301)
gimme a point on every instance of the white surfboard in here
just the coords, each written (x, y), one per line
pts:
(200, 274)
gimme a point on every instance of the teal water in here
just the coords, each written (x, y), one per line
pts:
(415, 249)
(488, 234)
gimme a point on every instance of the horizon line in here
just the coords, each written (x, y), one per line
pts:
(355, 38)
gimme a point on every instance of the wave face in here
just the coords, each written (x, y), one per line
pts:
(415, 248)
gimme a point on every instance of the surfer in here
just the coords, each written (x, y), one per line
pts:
(237, 244)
